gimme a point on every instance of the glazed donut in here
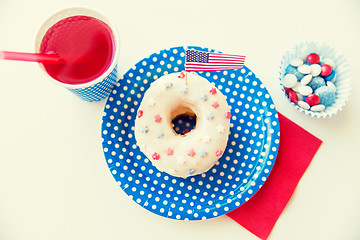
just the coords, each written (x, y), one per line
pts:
(182, 155)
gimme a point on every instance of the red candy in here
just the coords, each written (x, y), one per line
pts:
(287, 90)
(325, 70)
(293, 97)
(313, 99)
(313, 58)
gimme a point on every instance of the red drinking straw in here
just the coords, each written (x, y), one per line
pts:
(29, 57)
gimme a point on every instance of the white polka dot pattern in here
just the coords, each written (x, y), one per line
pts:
(98, 91)
(239, 173)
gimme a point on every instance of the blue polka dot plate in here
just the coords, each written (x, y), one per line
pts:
(241, 171)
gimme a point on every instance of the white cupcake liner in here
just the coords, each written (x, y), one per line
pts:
(343, 75)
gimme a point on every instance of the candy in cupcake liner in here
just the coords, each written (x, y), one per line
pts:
(340, 78)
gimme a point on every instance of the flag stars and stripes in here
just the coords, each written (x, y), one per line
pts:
(206, 61)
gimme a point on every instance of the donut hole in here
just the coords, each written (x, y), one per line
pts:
(183, 120)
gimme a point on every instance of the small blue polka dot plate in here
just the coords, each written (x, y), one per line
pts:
(241, 171)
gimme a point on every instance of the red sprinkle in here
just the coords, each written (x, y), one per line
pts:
(186, 130)
(157, 118)
(169, 151)
(191, 152)
(155, 156)
(228, 115)
(313, 58)
(140, 113)
(213, 91)
(325, 70)
(182, 75)
(219, 152)
(293, 97)
(313, 99)
(215, 104)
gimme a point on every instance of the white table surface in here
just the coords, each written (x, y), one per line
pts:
(54, 180)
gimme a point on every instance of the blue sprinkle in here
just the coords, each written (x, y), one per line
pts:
(210, 116)
(331, 76)
(191, 171)
(159, 134)
(203, 98)
(293, 70)
(144, 129)
(326, 94)
(184, 90)
(203, 153)
(168, 85)
(316, 82)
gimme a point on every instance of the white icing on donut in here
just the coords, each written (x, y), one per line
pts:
(196, 151)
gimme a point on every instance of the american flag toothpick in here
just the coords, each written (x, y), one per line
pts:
(205, 61)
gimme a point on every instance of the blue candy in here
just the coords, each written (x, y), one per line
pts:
(293, 70)
(331, 76)
(326, 94)
(316, 83)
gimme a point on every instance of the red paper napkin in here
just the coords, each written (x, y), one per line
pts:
(296, 150)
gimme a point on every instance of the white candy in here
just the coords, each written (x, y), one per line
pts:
(289, 81)
(304, 105)
(306, 79)
(315, 70)
(299, 96)
(317, 108)
(305, 90)
(296, 62)
(304, 57)
(304, 69)
(331, 86)
(329, 62)
(297, 86)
